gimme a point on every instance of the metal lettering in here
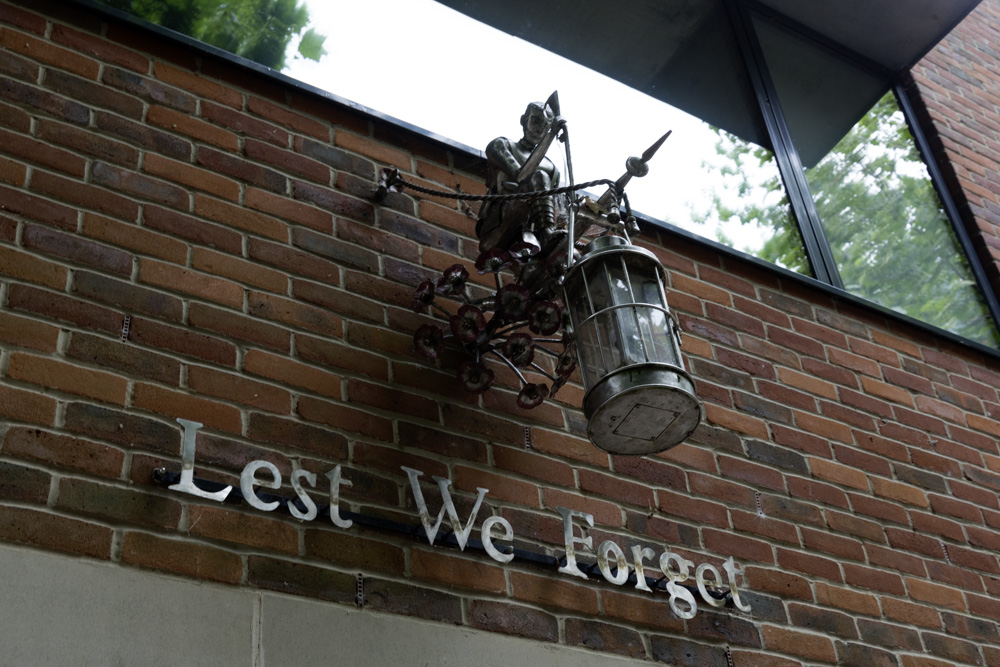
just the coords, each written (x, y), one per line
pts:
(638, 554)
(675, 578)
(569, 540)
(699, 577)
(247, 481)
(461, 534)
(335, 483)
(621, 573)
(730, 567)
(487, 538)
(311, 511)
(186, 485)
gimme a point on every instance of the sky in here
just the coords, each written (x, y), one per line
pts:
(428, 65)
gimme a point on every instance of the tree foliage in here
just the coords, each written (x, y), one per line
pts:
(891, 239)
(259, 30)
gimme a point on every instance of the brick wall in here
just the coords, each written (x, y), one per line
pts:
(957, 88)
(848, 461)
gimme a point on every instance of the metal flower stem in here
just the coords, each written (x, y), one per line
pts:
(512, 366)
(542, 371)
(545, 349)
(443, 311)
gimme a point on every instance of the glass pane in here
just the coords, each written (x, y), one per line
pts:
(890, 237)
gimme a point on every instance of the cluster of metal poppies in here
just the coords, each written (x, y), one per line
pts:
(515, 323)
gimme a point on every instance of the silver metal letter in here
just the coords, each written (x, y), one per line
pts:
(247, 480)
(487, 538)
(699, 577)
(569, 539)
(676, 578)
(310, 512)
(730, 567)
(621, 573)
(335, 483)
(186, 485)
(461, 534)
(638, 553)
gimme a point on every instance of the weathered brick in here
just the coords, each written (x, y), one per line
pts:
(24, 332)
(297, 435)
(106, 502)
(55, 374)
(135, 238)
(238, 326)
(300, 579)
(807, 645)
(184, 557)
(237, 216)
(127, 296)
(527, 622)
(251, 530)
(123, 180)
(26, 266)
(191, 177)
(177, 404)
(287, 311)
(76, 249)
(345, 418)
(186, 281)
(555, 593)
(182, 123)
(47, 52)
(22, 484)
(239, 389)
(27, 406)
(58, 533)
(63, 451)
(150, 333)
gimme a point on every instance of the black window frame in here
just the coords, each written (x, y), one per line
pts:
(817, 246)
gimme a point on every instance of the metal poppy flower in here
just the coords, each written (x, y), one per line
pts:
(545, 318)
(556, 265)
(519, 349)
(423, 296)
(494, 260)
(467, 324)
(522, 251)
(532, 395)
(512, 301)
(453, 280)
(475, 377)
(566, 364)
(429, 340)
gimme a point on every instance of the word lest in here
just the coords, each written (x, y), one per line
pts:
(611, 559)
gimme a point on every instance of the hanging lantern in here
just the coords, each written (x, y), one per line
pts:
(639, 400)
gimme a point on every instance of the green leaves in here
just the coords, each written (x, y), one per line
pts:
(311, 46)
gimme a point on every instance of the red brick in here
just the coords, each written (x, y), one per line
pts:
(567, 446)
(184, 341)
(456, 572)
(825, 428)
(28, 267)
(810, 646)
(283, 369)
(809, 564)
(23, 332)
(290, 119)
(50, 531)
(905, 493)
(76, 249)
(297, 435)
(41, 153)
(838, 473)
(192, 229)
(936, 594)
(239, 389)
(682, 505)
(27, 406)
(182, 123)
(737, 421)
(831, 544)
(138, 185)
(49, 53)
(192, 177)
(238, 326)
(558, 593)
(338, 355)
(36, 208)
(239, 528)
(878, 580)
(190, 559)
(176, 404)
(241, 270)
(344, 418)
(288, 209)
(847, 599)
(51, 373)
(241, 170)
(99, 48)
(908, 612)
(200, 86)
(296, 314)
(135, 238)
(186, 281)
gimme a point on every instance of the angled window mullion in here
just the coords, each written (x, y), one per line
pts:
(951, 210)
(792, 173)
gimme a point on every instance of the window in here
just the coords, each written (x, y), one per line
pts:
(788, 143)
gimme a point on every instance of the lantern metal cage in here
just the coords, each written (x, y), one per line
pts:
(639, 399)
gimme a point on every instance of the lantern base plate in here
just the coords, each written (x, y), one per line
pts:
(642, 410)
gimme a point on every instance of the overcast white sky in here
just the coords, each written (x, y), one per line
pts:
(421, 62)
